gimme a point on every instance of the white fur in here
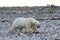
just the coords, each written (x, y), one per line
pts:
(25, 23)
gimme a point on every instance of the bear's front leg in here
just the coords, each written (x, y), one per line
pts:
(34, 28)
(28, 27)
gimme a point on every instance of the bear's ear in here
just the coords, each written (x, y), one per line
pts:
(35, 22)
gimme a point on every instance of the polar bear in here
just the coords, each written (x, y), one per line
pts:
(28, 23)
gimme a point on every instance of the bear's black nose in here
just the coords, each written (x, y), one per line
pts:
(38, 26)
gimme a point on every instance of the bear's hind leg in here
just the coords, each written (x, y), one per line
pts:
(12, 30)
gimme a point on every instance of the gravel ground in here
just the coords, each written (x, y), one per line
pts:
(49, 29)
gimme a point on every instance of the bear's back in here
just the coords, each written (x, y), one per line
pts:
(21, 21)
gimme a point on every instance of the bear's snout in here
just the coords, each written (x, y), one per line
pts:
(38, 26)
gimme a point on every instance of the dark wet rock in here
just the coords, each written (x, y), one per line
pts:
(57, 39)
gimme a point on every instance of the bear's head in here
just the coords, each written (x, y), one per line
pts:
(35, 22)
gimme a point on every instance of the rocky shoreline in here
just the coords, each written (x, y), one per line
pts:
(49, 17)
